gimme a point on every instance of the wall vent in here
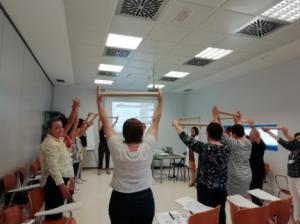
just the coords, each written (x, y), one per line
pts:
(187, 90)
(146, 9)
(116, 52)
(198, 62)
(107, 74)
(168, 79)
(60, 80)
(260, 26)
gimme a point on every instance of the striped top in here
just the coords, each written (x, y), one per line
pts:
(239, 171)
(294, 157)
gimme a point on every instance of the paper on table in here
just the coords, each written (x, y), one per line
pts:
(196, 207)
(192, 205)
(263, 195)
(172, 217)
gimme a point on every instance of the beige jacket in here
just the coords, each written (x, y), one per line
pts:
(56, 160)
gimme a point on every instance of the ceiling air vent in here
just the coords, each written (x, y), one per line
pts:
(187, 90)
(198, 62)
(60, 80)
(107, 74)
(146, 9)
(260, 26)
(116, 52)
(168, 79)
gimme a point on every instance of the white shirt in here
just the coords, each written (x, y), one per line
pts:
(132, 170)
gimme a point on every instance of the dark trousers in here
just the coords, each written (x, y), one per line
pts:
(53, 198)
(76, 169)
(213, 198)
(103, 149)
(133, 208)
(257, 182)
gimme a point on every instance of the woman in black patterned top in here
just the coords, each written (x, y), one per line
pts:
(212, 169)
(293, 166)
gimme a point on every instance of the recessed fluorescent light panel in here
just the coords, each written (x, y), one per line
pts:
(156, 86)
(286, 10)
(176, 74)
(213, 53)
(123, 41)
(104, 82)
(110, 68)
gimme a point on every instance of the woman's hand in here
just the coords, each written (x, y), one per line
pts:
(265, 129)
(65, 192)
(99, 95)
(175, 123)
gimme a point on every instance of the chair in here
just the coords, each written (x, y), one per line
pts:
(269, 176)
(211, 217)
(282, 188)
(259, 215)
(9, 182)
(12, 215)
(35, 167)
(280, 210)
(36, 201)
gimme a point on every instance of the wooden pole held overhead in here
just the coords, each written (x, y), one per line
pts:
(133, 94)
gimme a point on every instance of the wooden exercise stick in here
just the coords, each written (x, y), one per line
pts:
(226, 118)
(148, 94)
(190, 118)
(229, 114)
(193, 124)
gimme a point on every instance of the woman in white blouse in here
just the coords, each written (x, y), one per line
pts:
(131, 200)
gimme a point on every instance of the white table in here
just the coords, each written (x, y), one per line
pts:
(241, 202)
(263, 195)
(192, 205)
(25, 188)
(60, 209)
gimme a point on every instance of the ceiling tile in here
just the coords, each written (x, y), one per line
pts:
(142, 56)
(186, 50)
(214, 3)
(155, 46)
(140, 64)
(237, 57)
(130, 26)
(173, 59)
(199, 37)
(253, 7)
(195, 14)
(235, 42)
(168, 33)
(285, 35)
(225, 21)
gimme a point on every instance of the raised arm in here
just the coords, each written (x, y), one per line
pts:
(107, 127)
(286, 133)
(190, 142)
(73, 132)
(268, 131)
(73, 114)
(255, 132)
(153, 129)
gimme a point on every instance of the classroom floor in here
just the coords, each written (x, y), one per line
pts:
(94, 194)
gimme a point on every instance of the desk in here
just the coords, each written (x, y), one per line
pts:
(241, 202)
(161, 157)
(25, 188)
(263, 195)
(60, 209)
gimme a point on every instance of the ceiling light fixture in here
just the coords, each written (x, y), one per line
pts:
(104, 82)
(156, 86)
(286, 10)
(176, 74)
(123, 41)
(213, 53)
(110, 68)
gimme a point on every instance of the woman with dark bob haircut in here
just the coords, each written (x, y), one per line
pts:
(131, 200)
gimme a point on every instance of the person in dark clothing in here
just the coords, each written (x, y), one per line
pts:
(103, 149)
(212, 166)
(256, 160)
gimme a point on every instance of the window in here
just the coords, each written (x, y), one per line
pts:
(140, 109)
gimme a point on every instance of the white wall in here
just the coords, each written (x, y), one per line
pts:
(173, 107)
(270, 95)
(25, 94)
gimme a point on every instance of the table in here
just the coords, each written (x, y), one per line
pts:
(161, 157)
(25, 188)
(60, 209)
(263, 195)
(241, 202)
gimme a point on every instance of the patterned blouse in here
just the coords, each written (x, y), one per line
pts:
(212, 166)
(294, 157)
